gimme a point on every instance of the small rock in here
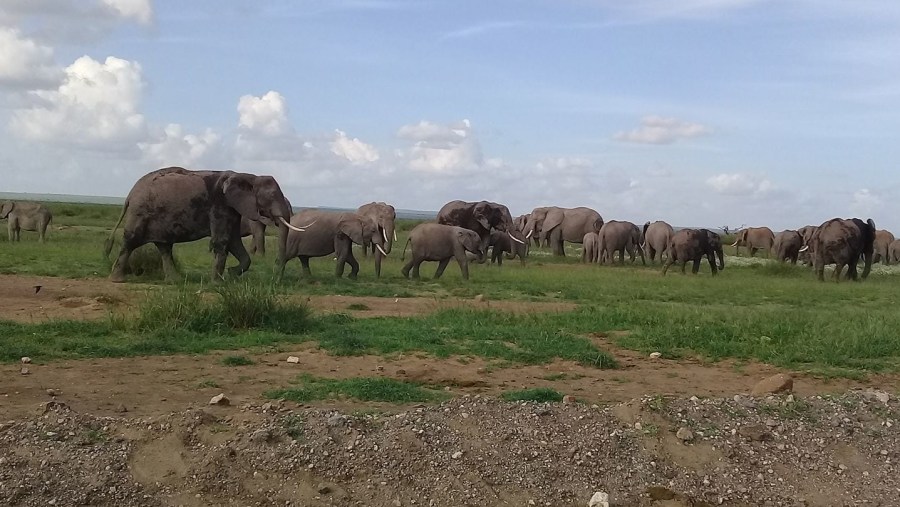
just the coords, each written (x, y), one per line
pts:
(323, 488)
(779, 383)
(755, 432)
(219, 399)
(875, 394)
(120, 408)
(457, 455)
(293, 359)
(684, 434)
(660, 493)
(52, 392)
(396, 503)
(24, 371)
(638, 426)
(600, 499)
(260, 436)
(480, 298)
(26, 360)
(655, 355)
(569, 399)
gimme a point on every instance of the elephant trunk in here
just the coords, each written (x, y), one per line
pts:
(721, 255)
(390, 235)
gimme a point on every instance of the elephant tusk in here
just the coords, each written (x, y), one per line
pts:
(395, 235)
(519, 241)
(381, 250)
(528, 236)
(735, 243)
(294, 228)
(384, 233)
(805, 248)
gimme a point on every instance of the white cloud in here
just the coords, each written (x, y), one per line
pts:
(865, 202)
(266, 115)
(441, 149)
(354, 150)
(174, 147)
(740, 184)
(96, 105)
(660, 130)
(24, 62)
(138, 10)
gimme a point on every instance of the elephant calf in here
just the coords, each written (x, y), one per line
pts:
(691, 245)
(787, 246)
(439, 242)
(30, 216)
(619, 236)
(500, 244)
(590, 251)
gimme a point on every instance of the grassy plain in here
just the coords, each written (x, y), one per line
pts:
(754, 310)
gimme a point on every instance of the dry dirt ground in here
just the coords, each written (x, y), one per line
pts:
(138, 431)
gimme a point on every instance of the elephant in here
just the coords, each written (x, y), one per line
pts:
(656, 239)
(806, 233)
(691, 245)
(841, 242)
(754, 238)
(175, 205)
(500, 244)
(328, 233)
(257, 230)
(894, 250)
(619, 236)
(590, 247)
(520, 221)
(440, 242)
(385, 216)
(31, 216)
(787, 246)
(558, 225)
(480, 217)
(883, 240)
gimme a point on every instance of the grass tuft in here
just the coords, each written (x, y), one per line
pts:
(236, 361)
(538, 395)
(359, 388)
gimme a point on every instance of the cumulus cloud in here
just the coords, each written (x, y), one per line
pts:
(174, 147)
(441, 149)
(25, 62)
(660, 130)
(97, 105)
(739, 184)
(138, 10)
(352, 149)
(266, 115)
(865, 202)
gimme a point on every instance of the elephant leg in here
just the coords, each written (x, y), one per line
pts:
(304, 263)
(236, 248)
(406, 267)
(442, 265)
(168, 261)
(696, 265)
(415, 270)
(666, 265)
(129, 244)
(354, 265)
(463, 264)
(683, 266)
(378, 259)
(556, 241)
(341, 256)
(9, 230)
(712, 263)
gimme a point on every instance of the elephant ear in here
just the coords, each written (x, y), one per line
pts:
(482, 212)
(554, 219)
(353, 229)
(240, 194)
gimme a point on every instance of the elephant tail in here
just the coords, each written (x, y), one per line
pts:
(403, 253)
(109, 241)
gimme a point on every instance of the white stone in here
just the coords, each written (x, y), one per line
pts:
(293, 359)
(655, 355)
(600, 499)
(219, 399)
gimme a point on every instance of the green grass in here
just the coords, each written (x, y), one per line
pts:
(388, 390)
(237, 361)
(540, 395)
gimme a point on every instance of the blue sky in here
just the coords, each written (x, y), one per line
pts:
(698, 112)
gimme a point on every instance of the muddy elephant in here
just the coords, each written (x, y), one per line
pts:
(480, 217)
(656, 239)
(590, 247)
(806, 233)
(327, 233)
(31, 216)
(754, 238)
(691, 245)
(894, 250)
(842, 242)
(175, 205)
(883, 240)
(620, 236)
(256, 229)
(440, 242)
(558, 225)
(385, 217)
(501, 246)
(787, 246)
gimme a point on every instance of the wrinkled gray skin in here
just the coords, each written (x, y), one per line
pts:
(842, 242)
(806, 234)
(385, 216)
(883, 240)
(656, 239)
(30, 216)
(327, 233)
(257, 230)
(501, 244)
(754, 238)
(691, 245)
(620, 236)
(481, 217)
(175, 205)
(894, 250)
(558, 225)
(590, 248)
(787, 246)
(439, 242)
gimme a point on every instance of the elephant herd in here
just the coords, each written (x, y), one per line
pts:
(176, 205)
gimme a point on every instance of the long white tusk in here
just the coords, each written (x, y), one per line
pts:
(805, 248)
(527, 236)
(519, 241)
(384, 233)
(381, 250)
(395, 235)
(735, 243)
(298, 229)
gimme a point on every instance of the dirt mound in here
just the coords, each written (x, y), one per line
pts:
(472, 450)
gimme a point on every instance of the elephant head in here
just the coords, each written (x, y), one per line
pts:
(385, 217)
(470, 241)
(740, 238)
(534, 224)
(715, 247)
(257, 198)
(6, 209)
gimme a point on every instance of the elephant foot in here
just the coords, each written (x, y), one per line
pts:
(351, 276)
(117, 278)
(235, 271)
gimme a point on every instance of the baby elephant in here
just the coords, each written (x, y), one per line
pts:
(439, 242)
(30, 216)
(500, 243)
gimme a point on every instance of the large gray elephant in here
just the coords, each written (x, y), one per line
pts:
(256, 229)
(480, 217)
(385, 216)
(590, 248)
(787, 246)
(842, 242)
(558, 225)
(806, 233)
(175, 205)
(691, 245)
(881, 248)
(327, 233)
(31, 216)
(656, 239)
(620, 236)
(501, 244)
(754, 238)
(439, 242)
(894, 251)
